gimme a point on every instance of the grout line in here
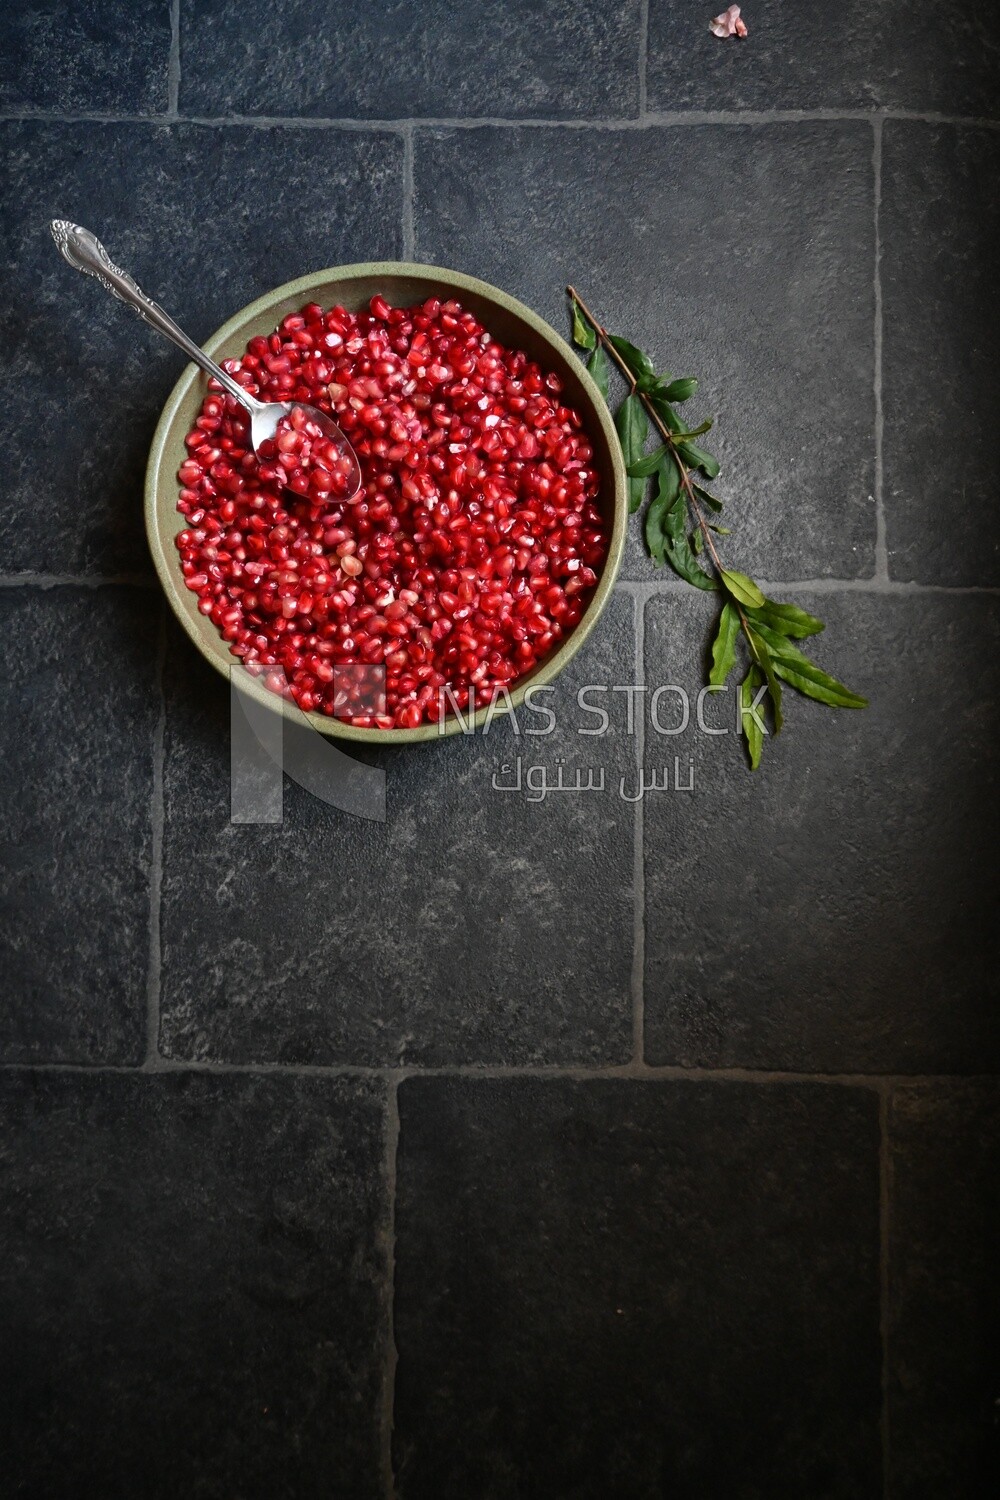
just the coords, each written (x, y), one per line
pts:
(152, 1058)
(75, 580)
(649, 588)
(174, 60)
(568, 1072)
(881, 550)
(643, 55)
(409, 253)
(639, 854)
(460, 122)
(879, 586)
(885, 1185)
(391, 1351)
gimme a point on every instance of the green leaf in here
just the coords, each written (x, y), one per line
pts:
(639, 364)
(597, 364)
(719, 530)
(787, 619)
(762, 657)
(699, 459)
(678, 548)
(724, 645)
(709, 500)
(795, 668)
(696, 540)
(820, 685)
(663, 409)
(649, 384)
(583, 333)
(749, 717)
(667, 492)
(681, 390)
(695, 431)
(633, 429)
(643, 467)
(742, 588)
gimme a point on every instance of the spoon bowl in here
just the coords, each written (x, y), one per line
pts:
(266, 416)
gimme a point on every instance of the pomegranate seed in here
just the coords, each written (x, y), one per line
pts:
(470, 552)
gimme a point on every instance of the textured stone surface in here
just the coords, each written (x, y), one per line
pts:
(621, 1289)
(546, 58)
(806, 54)
(741, 254)
(941, 242)
(205, 220)
(616, 1288)
(835, 910)
(472, 926)
(944, 1304)
(84, 55)
(192, 1282)
(79, 705)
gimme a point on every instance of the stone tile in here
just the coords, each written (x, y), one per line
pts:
(472, 926)
(835, 910)
(940, 229)
(225, 215)
(76, 733)
(750, 264)
(944, 1309)
(942, 57)
(633, 1289)
(192, 1286)
(520, 58)
(99, 56)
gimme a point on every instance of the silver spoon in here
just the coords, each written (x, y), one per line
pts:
(85, 252)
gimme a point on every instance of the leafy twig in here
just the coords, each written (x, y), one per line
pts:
(770, 630)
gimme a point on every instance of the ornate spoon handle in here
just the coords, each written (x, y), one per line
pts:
(85, 253)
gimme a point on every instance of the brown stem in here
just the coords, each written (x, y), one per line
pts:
(660, 426)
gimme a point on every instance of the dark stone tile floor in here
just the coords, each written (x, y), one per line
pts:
(751, 265)
(541, 1354)
(185, 209)
(943, 1300)
(805, 54)
(459, 931)
(854, 871)
(194, 1285)
(502, 1151)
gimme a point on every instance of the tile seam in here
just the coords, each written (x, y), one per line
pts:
(648, 120)
(174, 61)
(649, 588)
(387, 1414)
(157, 819)
(881, 550)
(885, 1188)
(569, 1072)
(643, 55)
(76, 580)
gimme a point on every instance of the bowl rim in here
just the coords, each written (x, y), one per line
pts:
(164, 553)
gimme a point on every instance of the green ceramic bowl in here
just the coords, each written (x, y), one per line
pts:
(352, 286)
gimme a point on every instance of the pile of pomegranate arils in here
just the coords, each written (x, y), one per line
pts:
(469, 552)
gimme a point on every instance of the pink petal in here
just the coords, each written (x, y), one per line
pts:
(728, 24)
